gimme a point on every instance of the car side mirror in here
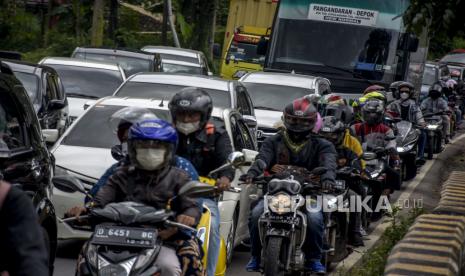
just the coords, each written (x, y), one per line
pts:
(262, 46)
(50, 135)
(56, 104)
(68, 184)
(250, 121)
(410, 42)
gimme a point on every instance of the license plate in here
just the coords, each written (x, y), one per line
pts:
(124, 236)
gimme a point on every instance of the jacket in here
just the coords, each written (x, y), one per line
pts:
(372, 137)
(207, 149)
(153, 189)
(22, 247)
(353, 145)
(316, 153)
(433, 106)
(414, 115)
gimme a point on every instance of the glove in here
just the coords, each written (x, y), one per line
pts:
(327, 185)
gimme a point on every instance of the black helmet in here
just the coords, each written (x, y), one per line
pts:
(373, 111)
(300, 115)
(192, 99)
(124, 118)
(435, 91)
(342, 113)
(333, 129)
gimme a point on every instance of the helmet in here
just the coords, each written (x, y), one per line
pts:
(333, 129)
(300, 115)
(451, 84)
(435, 91)
(372, 95)
(373, 111)
(407, 85)
(192, 99)
(395, 86)
(455, 74)
(342, 113)
(124, 118)
(152, 135)
(373, 88)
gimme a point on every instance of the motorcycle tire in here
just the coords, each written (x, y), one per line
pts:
(273, 263)
(431, 147)
(409, 167)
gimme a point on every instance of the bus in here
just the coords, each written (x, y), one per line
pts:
(353, 43)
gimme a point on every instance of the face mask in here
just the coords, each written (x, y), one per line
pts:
(150, 159)
(187, 128)
(404, 96)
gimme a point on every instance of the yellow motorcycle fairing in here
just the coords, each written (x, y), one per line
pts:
(207, 180)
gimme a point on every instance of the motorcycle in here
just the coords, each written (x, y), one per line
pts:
(282, 226)
(407, 146)
(435, 135)
(125, 237)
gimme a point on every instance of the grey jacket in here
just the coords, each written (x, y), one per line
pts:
(433, 106)
(414, 113)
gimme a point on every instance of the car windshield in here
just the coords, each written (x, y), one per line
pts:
(87, 82)
(30, 82)
(274, 97)
(130, 65)
(459, 58)
(166, 91)
(429, 75)
(12, 135)
(179, 58)
(245, 52)
(178, 68)
(94, 130)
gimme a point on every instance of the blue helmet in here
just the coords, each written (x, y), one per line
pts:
(154, 133)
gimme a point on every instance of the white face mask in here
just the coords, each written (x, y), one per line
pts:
(404, 96)
(187, 128)
(150, 159)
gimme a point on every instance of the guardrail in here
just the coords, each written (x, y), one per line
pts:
(435, 243)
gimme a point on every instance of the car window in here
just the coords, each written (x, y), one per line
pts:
(130, 65)
(31, 83)
(242, 139)
(12, 128)
(51, 88)
(429, 75)
(242, 103)
(166, 91)
(178, 68)
(97, 129)
(179, 58)
(88, 82)
(444, 71)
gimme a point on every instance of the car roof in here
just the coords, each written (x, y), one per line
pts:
(146, 103)
(183, 80)
(115, 51)
(172, 51)
(81, 63)
(285, 79)
(178, 62)
(26, 67)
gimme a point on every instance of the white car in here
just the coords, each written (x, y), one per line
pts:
(180, 60)
(271, 92)
(84, 152)
(85, 80)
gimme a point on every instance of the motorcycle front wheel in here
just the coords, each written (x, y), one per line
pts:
(273, 262)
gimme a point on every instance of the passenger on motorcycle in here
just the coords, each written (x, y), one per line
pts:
(435, 103)
(206, 145)
(373, 135)
(294, 145)
(336, 132)
(407, 109)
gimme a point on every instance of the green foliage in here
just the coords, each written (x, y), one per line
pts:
(373, 262)
(19, 30)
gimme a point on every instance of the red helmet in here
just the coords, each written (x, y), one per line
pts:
(455, 73)
(300, 115)
(373, 88)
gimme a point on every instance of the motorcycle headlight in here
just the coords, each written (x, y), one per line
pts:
(377, 171)
(432, 127)
(144, 259)
(283, 203)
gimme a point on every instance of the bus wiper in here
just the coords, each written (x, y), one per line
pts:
(355, 74)
(266, 108)
(79, 95)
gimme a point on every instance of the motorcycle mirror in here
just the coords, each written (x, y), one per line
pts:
(117, 152)
(68, 184)
(319, 171)
(367, 156)
(236, 158)
(196, 189)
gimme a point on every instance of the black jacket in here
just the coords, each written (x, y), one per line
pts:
(207, 149)
(22, 247)
(317, 153)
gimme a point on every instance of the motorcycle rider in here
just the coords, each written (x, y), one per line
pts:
(436, 104)
(337, 133)
(294, 145)
(371, 92)
(394, 88)
(373, 134)
(151, 147)
(206, 145)
(407, 109)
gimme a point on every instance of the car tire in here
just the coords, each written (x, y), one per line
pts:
(46, 239)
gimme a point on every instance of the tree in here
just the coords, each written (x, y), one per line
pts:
(97, 23)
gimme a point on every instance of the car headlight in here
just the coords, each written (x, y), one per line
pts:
(283, 203)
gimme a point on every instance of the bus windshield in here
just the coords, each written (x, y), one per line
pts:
(346, 37)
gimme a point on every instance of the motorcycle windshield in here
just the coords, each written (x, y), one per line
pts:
(291, 187)
(129, 213)
(403, 129)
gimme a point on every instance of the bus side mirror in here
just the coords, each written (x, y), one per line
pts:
(262, 46)
(410, 42)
